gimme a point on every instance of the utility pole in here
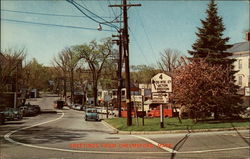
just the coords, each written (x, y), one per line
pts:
(126, 57)
(119, 72)
(119, 94)
(125, 40)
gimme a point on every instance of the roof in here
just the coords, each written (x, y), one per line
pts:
(240, 47)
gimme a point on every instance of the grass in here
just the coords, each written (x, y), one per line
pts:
(153, 124)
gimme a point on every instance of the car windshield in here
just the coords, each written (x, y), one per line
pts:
(91, 111)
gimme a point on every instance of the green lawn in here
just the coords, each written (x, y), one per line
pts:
(153, 124)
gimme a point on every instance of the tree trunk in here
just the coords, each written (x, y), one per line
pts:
(64, 88)
(216, 114)
(95, 93)
(72, 85)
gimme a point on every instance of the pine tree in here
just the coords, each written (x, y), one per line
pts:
(212, 47)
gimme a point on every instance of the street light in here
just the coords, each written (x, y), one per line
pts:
(99, 27)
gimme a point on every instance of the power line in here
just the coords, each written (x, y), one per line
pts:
(55, 25)
(112, 8)
(147, 37)
(138, 45)
(107, 23)
(46, 14)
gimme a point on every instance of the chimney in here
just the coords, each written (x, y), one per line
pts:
(247, 36)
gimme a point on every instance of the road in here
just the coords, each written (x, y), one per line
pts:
(66, 135)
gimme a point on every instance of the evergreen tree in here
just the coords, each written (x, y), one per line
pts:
(212, 47)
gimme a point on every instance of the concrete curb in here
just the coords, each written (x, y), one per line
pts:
(171, 131)
(48, 112)
(115, 131)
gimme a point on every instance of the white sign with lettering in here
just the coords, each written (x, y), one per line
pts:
(160, 97)
(161, 83)
(247, 91)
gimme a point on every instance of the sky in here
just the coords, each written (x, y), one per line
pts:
(153, 27)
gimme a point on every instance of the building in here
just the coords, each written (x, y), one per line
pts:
(241, 52)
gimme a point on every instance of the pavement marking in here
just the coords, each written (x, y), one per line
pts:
(156, 144)
(167, 150)
(7, 137)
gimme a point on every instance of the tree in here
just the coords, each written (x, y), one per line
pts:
(71, 60)
(108, 78)
(95, 55)
(36, 75)
(170, 59)
(210, 44)
(142, 73)
(60, 63)
(10, 64)
(201, 86)
(212, 47)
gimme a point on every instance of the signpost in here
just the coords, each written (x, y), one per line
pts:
(161, 87)
(247, 91)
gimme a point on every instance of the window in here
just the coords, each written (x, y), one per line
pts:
(240, 64)
(240, 80)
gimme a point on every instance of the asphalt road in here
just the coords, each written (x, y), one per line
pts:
(66, 135)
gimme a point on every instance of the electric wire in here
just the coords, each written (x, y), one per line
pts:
(99, 22)
(146, 34)
(112, 8)
(46, 14)
(138, 45)
(55, 25)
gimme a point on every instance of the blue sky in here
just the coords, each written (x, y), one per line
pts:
(154, 26)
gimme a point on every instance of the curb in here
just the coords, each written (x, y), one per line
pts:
(171, 131)
(48, 112)
(115, 131)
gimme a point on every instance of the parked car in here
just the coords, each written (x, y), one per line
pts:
(12, 113)
(79, 107)
(18, 113)
(30, 110)
(99, 110)
(91, 114)
(2, 118)
(24, 110)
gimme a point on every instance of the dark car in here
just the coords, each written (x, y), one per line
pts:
(2, 118)
(30, 110)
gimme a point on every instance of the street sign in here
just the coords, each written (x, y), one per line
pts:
(136, 98)
(160, 97)
(161, 83)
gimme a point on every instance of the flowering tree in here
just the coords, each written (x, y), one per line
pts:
(200, 87)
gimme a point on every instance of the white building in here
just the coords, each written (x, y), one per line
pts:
(241, 52)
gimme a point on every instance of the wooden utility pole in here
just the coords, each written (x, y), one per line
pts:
(126, 58)
(119, 71)
(125, 40)
(119, 95)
